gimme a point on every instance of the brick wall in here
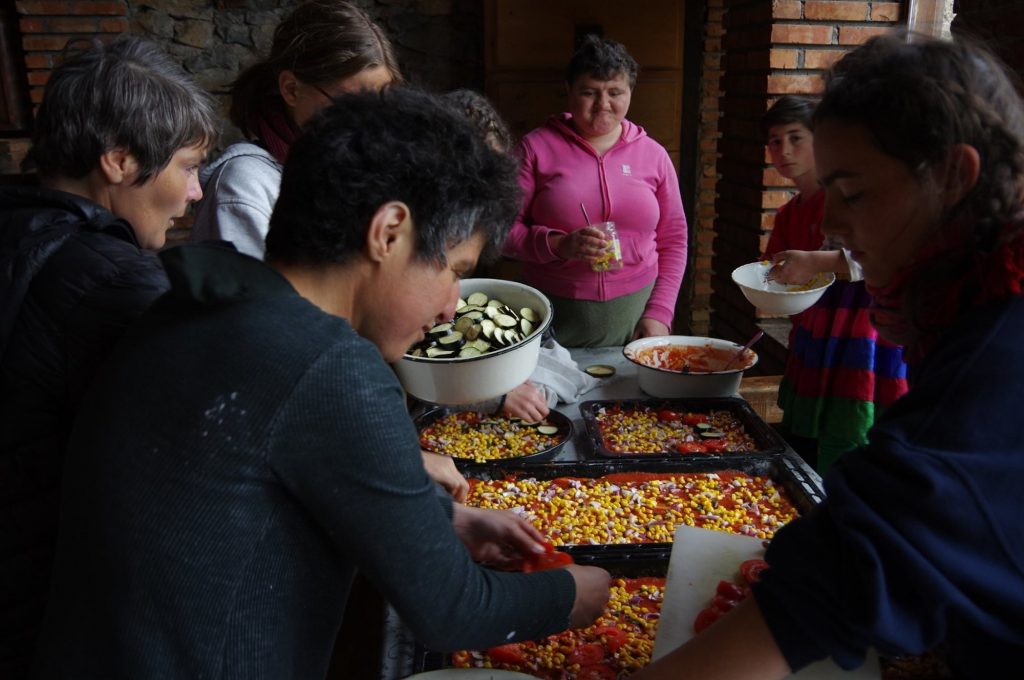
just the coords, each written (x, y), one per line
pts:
(45, 27)
(770, 48)
(694, 309)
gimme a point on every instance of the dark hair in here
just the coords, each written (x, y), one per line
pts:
(602, 59)
(321, 41)
(918, 97)
(127, 94)
(787, 110)
(483, 115)
(400, 144)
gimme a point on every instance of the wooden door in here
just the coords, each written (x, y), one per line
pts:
(529, 42)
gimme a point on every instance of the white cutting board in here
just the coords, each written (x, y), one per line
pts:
(700, 559)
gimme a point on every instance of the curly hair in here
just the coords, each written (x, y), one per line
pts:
(481, 113)
(602, 59)
(397, 145)
(893, 83)
(918, 97)
(127, 94)
(321, 41)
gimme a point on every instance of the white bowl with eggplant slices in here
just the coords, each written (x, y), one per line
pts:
(488, 349)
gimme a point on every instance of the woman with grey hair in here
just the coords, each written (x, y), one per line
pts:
(118, 141)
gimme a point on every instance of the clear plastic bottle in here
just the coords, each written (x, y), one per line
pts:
(612, 257)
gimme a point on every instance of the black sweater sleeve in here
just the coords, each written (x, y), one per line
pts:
(348, 451)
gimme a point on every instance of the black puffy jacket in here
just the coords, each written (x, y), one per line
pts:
(72, 277)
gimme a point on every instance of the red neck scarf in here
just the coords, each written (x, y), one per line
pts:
(274, 128)
(987, 276)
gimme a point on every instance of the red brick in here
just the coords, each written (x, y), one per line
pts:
(786, 84)
(32, 25)
(801, 34)
(36, 95)
(775, 199)
(787, 9)
(73, 25)
(821, 59)
(43, 6)
(113, 25)
(44, 43)
(38, 77)
(100, 7)
(858, 35)
(833, 10)
(38, 61)
(772, 178)
(781, 58)
(885, 11)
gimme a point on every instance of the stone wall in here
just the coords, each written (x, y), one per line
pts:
(439, 42)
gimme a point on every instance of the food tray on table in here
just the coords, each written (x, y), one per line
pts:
(460, 432)
(618, 505)
(621, 640)
(678, 429)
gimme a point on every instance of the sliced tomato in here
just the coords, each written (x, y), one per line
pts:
(587, 654)
(547, 560)
(715, 444)
(667, 416)
(723, 604)
(690, 447)
(612, 637)
(705, 618)
(597, 671)
(694, 418)
(730, 590)
(751, 570)
(508, 654)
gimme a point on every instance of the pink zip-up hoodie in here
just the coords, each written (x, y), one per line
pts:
(634, 185)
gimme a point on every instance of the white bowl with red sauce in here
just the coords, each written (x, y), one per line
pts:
(674, 366)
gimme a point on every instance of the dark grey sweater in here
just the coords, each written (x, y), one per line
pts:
(242, 455)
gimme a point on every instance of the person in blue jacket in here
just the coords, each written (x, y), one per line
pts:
(919, 145)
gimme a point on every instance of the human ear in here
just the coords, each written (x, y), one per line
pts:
(963, 167)
(287, 85)
(117, 166)
(390, 222)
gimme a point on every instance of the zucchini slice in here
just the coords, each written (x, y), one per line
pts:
(477, 298)
(600, 370)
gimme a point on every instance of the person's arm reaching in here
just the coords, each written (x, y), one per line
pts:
(738, 646)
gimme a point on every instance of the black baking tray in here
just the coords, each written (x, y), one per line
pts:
(785, 470)
(766, 440)
(560, 420)
(624, 563)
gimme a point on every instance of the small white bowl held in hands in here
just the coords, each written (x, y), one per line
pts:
(658, 360)
(772, 297)
(455, 381)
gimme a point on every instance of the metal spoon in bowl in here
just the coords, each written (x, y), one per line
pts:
(757, 336)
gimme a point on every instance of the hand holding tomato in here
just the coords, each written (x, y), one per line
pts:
(496, 537)
(549, 559)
